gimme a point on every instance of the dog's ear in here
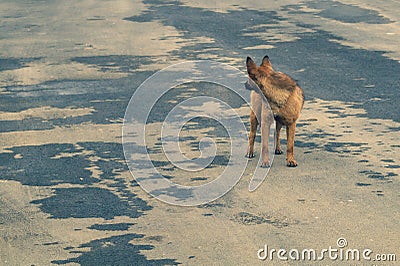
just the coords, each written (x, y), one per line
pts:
(265, 62)
(251, 67)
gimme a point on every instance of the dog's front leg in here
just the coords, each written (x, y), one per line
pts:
(266, 122)
(255, 115)
(252, 134)
(278, 149)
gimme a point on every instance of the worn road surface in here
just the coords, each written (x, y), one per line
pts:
(69, 68)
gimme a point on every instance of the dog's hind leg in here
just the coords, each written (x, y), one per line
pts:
(290, 132)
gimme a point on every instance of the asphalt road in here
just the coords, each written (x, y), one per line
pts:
(68, 70)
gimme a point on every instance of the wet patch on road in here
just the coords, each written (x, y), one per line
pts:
(342, 12)
(90, 202)
(115, 63)
(16, 63)
(111, 227)
(115, 250)
(36, 165)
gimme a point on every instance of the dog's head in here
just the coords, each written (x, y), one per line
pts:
(255, 72)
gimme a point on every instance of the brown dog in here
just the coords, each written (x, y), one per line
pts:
(286, 100)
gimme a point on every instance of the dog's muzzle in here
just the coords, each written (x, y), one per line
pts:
(251, 85)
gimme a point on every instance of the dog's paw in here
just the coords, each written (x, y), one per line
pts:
(291, 163)
(265, 164)
(250, 155)
(278, 151)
